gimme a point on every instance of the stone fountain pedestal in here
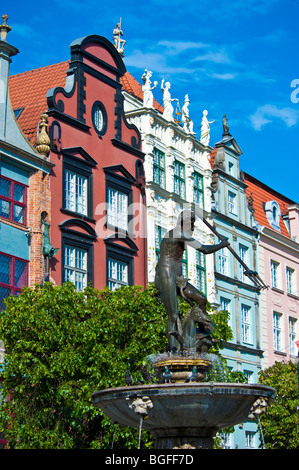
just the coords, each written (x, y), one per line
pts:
(182, 415)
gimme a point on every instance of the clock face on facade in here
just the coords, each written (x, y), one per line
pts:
(99, 118)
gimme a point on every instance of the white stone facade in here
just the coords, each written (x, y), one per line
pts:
(176, 164)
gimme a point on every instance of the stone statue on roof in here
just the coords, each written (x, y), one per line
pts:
(118, 42)
(225, 126)
(148, 97)
(205, 129)
(187, 122)
(168, 108)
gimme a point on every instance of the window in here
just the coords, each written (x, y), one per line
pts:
(249, 375)
(231, 168)
(120, 264)
(246, 323)
(226, 438)
(232, 202)
(274, 274)
(243, 251)
(77, 253)
(250, 440)
(179, 179)
(159, 234)
(224, 304)
(200, 264)
(223, 261)
(117, 208)
(119, 198)
(13, 200)
(277, 331)
(198, 189)
(13, 276)
(78, 183)
(290, 275)
(117, 273)
(99, 118)
(292, 336)
(75, 266)
(75, 192)
(159, 168)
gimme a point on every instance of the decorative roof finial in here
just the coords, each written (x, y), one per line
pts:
(42, 143)
(4, 28)
(118, 42)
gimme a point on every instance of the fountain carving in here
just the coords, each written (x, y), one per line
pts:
(181, 410)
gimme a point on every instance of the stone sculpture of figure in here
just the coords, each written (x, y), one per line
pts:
(118, 42)
(188, 124)
(148, 97)
(205, 129)
(225, 125)
(168, 108)
(169, 274)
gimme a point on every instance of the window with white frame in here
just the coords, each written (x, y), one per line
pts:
(290, 276)
(277, 331)
(226, 440)
(75, 192)
(117, 273)
(117, 208)
(292, 336)
(200, 264)
(159, 234)
(159, 168)
(249, 375)
(223, 261)
(250, 440)
(274, 274)
(179, 179)
(243, 253)
(198, 189)
(75, 266)
(246, 323)
(231, 197)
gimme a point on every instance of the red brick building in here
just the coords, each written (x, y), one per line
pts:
(97, 217)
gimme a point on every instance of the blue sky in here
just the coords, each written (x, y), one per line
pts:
(237, 58)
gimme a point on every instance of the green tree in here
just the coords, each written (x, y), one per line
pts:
(280, 421)
(61, 346)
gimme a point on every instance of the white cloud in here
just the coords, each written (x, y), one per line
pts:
(265, 115)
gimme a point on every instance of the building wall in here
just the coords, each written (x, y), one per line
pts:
(278, 300)
(102, 158)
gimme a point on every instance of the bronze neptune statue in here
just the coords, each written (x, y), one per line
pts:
(170, 284)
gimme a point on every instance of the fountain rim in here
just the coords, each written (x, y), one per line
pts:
(220, 388)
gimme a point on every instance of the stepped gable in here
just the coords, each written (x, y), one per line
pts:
(261, 194)
(28, 90)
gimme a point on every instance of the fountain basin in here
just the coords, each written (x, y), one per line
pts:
(183, 414)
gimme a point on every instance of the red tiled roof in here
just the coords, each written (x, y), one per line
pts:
(261, 194)
(28, 90)
(212, 157)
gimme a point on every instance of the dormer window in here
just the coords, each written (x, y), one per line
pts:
(273, 214)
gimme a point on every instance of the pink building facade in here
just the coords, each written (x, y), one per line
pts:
(278, 253)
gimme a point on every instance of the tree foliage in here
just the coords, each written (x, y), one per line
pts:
(61, 346)
(280, 421)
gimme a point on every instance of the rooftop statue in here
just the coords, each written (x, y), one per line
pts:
(170, 284)
(118, 42)
(148, 97)
(205, 129)
(168, 108)
(225, 126)
(187, 122)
